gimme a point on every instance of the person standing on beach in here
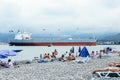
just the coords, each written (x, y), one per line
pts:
(92, 54)
(55, 52)
(100, 54)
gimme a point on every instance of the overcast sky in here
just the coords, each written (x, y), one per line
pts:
(80, 16)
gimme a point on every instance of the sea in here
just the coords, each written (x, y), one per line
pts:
(31, 52)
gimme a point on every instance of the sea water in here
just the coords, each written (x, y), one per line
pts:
(29, 52)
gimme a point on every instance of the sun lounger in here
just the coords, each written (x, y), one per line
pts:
(107, 72)
(44, 60)
(83, 60)
(47, 60)
(78, 61)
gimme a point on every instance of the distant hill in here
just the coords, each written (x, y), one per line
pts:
(5, 37)
(115, 37)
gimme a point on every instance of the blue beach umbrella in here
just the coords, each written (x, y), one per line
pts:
(3, 56)
(72, 49)
(8, 53)
(17, 50)
(79, 49)
(84, 52)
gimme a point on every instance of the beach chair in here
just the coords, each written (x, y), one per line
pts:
(78, 61)
(43, 60)
(107, 72)
(86, 59)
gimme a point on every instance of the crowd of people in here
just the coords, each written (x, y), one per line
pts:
(101, 53)
(47, 57)
(52, 57)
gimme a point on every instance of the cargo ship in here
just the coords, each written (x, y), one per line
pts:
(24, 39)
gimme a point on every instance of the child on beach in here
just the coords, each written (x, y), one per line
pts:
(92, 54)
(9, 64)
(2, 63)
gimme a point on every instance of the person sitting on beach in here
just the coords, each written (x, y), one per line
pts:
(70, 51)
(53, 55)
(41, 56)
(9, 64)
(118, 53)
(46, 56)
(108, 50)
(99, 55)
(70, 57)
(3, 63)
(107, 69)
(104, 51)
(62, 58)
(55, 52)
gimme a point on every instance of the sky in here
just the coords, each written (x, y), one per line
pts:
(60, 16)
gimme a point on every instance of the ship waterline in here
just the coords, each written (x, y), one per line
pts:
(53, 43)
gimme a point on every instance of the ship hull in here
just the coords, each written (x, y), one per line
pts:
(52, 43)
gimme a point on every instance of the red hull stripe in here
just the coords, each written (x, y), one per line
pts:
(55, 44)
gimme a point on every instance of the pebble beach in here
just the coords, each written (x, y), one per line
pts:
(58, 70)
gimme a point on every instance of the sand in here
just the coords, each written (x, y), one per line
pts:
(58, 70)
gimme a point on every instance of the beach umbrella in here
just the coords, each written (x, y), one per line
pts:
(84, 52)
(8, 53)
(79, 49)
(17, 50)
(3, 56)
(72, 49)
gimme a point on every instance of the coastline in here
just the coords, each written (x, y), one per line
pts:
(58, 70)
